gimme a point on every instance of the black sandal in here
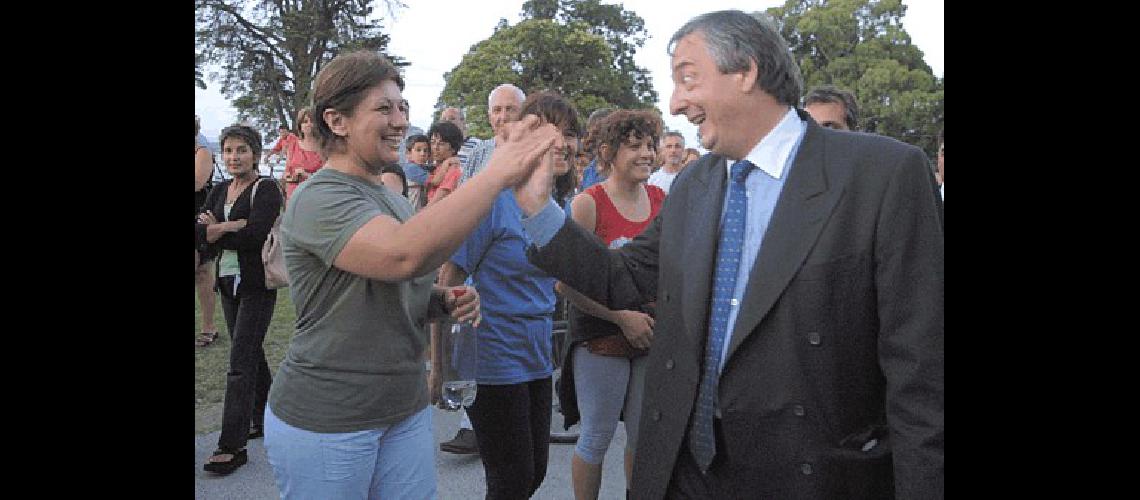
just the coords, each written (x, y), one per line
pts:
(256, 431)
(204, 339)
(224, 468)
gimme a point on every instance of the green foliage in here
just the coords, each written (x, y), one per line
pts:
(267, 53)
(580, 48)
(861, 46)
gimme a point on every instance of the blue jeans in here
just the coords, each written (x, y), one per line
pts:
(397, 461)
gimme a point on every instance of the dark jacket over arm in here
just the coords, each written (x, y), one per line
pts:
(247, 241)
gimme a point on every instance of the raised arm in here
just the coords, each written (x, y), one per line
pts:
(385, 249)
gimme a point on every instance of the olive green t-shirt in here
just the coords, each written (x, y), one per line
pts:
(356, 359)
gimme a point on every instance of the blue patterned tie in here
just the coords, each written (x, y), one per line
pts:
(702, 442)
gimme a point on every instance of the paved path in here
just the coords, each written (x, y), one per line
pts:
(460, 476)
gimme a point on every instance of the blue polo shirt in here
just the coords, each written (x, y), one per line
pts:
(516, 298)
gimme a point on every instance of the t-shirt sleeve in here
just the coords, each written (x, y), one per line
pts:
(333, 214)
(475, 247)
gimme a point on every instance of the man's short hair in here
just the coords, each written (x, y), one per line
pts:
(674, 133)
(836, 95)
(734, 38)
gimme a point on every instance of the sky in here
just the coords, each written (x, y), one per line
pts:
(434, 35)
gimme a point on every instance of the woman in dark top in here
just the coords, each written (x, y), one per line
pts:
(236, 223)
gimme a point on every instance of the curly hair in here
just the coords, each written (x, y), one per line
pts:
(615, 128)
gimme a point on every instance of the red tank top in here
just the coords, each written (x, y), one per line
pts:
(611, 226)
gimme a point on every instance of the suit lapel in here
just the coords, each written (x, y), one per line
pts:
(705, 198)
(796, 223)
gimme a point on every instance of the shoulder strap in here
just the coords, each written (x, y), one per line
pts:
(257, 183)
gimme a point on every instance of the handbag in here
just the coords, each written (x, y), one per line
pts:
(272, 255)
(614, 345)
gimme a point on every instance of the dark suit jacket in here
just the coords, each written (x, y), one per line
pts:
(833, 383)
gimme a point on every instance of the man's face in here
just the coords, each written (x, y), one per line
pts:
(673, 148)
(709, 98)
(505, 107)
(452, 115)
(828, 114)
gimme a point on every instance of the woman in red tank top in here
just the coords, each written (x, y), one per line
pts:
(605, 359)
(304, 158)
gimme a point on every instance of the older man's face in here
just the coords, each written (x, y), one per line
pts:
(505, 108)
(673, 148)
(454, 116)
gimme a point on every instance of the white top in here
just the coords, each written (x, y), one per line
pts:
(663, 179)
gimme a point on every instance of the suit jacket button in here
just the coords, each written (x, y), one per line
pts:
(668, 364)
(806, 469)
(798, 410)
(666, 297)
(813, 338)
(656, 415)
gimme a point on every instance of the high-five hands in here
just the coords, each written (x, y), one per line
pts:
(520, 150)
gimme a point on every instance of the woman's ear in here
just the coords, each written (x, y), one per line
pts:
(336, 122)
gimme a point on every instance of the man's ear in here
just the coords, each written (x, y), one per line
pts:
(603, 154)
(336, 122)
(749, 76)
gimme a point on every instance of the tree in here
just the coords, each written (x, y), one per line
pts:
(269, 52)
(860, 45)
(582, 49)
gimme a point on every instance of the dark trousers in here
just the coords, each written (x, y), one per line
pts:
(247, 383)
(512, 427)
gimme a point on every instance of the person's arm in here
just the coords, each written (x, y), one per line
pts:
(620, 279)
(449, 184)
(207, 227)
(385, 249)
(636, 326)
(276, 148)
(264, 207)
(909, 273)
(203, 168)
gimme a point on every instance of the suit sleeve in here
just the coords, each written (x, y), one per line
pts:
(909, 271)
(618, 279)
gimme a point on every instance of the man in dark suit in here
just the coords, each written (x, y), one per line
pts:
(798, 273)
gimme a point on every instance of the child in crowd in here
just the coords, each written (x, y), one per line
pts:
(418, 152)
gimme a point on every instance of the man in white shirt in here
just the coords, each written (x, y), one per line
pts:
(673, 148)
(503, 106)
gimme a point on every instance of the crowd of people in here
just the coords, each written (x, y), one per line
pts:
(766, 319)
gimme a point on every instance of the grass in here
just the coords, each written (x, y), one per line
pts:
(212, 363)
